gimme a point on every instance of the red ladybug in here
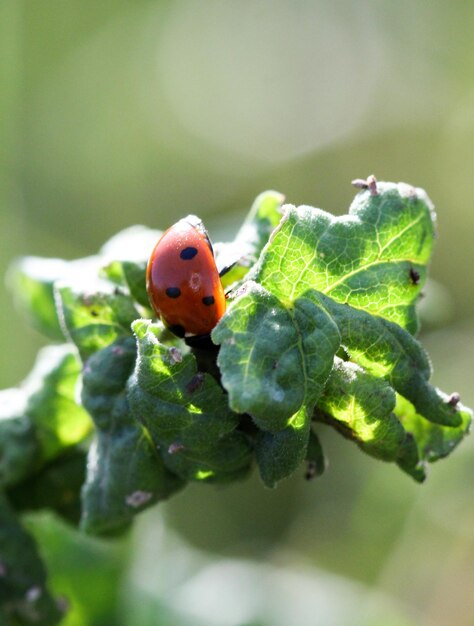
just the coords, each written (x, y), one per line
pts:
(183, 281)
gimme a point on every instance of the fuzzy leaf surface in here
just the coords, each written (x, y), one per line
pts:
(185, 412)
(95, 314)
(322, 284)
(125, 474)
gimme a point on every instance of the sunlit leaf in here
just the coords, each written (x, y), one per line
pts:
(185, 412)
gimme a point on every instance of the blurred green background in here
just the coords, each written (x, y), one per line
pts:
(114, 113)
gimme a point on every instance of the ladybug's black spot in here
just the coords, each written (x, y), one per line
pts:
(177, 330)
(188, 253)
(173, 292)
(208, 300)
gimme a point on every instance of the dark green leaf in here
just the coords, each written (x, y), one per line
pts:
(125, 473)
(41, 419)
(56, 486)
(24, 597)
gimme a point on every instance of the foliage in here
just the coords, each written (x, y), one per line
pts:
(319, 329)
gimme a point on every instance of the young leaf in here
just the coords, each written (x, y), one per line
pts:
(374, 258)
(185, 412)
(24, 597)
(125, 473)
(243, 252)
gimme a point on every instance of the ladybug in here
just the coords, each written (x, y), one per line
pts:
(183, 282)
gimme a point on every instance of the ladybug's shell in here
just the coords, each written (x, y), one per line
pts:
(183, 282)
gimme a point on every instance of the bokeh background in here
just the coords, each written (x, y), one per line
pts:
(116, 112)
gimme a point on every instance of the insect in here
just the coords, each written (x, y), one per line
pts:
(183, 281)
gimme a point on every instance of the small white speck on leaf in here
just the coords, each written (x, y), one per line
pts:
(137, 498)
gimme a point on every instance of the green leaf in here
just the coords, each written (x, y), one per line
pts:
(126, 256)
(386, 350)
(59, 421)
(432, 441)
(24, 597)
(41, 419)
(279, 454)
(185, 412)
(31, 280)
(275, 360)
(279, 336)
(125, 473)
(19, 448)
(57, 486)
(243, 252)
(374, 258)
(361, 406)
(95, 314)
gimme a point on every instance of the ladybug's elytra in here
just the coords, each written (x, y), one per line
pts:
(183, 281)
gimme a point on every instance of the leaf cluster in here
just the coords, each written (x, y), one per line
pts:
(319, 330)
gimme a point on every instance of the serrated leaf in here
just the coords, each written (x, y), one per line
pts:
(95, 314)
(279, 337)
(24, 597)
(41, 419)
(432, 441)
(185, 412)
(374, 258)
(243, 252)
(125, 473)
(361, 406)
